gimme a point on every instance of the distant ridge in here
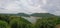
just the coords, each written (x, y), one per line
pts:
(23, 14)
(33, 14)
(42, 14)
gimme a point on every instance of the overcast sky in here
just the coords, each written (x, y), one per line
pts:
(30, 6)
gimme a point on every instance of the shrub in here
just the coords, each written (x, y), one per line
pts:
(47, 22)
(3, 24)
(4, 18)
(16, 23)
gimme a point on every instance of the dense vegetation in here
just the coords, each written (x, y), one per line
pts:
(33, 14)
(13, 21)
(8, 21)
(42, 14)
(50, 22)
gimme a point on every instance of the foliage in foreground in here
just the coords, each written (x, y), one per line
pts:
(19, 22)
(3, 24)
(47, 22)
(14, 22)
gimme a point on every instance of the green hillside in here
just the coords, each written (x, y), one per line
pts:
(33, 14)
(16, 21)
(23, 14)
(42, 14)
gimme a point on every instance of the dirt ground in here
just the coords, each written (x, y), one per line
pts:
(57, 26)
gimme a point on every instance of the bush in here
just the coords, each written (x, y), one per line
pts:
(16, 23)
(3, 24)
(47, 22)
(4, 18)
(29, 26)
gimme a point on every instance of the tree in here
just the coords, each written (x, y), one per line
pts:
(3, 24)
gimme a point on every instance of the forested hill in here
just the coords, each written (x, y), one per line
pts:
(42, 14)
(18, 14)
(33, 14)
(23, 14)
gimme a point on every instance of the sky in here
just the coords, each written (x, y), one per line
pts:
(30, 6)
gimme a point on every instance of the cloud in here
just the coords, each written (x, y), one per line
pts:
(52, 6)
(22, 6)
(30, 6)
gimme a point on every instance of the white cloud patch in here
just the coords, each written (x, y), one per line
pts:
(30, 6)
(22, 6)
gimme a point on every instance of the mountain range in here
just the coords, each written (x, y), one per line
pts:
(33, 14)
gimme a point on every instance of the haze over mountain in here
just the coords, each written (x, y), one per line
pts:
(30, 6)
(33, 15)
(42, 15)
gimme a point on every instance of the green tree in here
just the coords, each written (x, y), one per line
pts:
(50, 22)
(4, 18)
(19, 23)
(3, 24)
